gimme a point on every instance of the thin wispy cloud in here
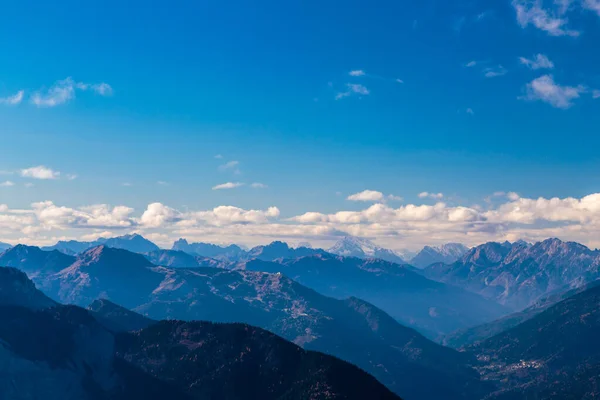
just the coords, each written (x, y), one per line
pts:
(258, 185)
(539, 61)
(228, 185)
(596, 94)
(470, 111)
(126, 184)
(551, 20)
(7, 184)
(71, 177)
(353, 89)
(40, 172)
(65, 90)
(493, 72)
(547, 90)
(162, 183)
(471, 64)
(357, 72)
(14, 99)
(218, 156)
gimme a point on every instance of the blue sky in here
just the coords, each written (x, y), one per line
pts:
(305, 97)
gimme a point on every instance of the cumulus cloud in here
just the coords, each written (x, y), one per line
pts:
(39, 172)
(157, 215)
(366, 195)
(353, 89)
(14, 99)
(228, 185)
(539, 61)
(545, 89)
(411, 225)
(64, 90)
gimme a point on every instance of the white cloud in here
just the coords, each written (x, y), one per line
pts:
(357, 72)
(539, 61)
(228, 185)
(470, 111)
(471, 64)
(14, 99)
(596, 94)
(7, 184)
(218, 156)
(552, 21)
(424, 195)
(493, 72)
(157, 215)
(162, 183)
(71, 177)
(394, 198)
(126, 184)
(593, 5)
(410, 225)
(545, 89)
(353, 88)
(366, 195)
(64, 90)
(40, 172)
(258, 185)
(399, 81)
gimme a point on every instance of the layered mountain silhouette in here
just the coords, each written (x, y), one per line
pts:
(181, 259)
(517, 274)
(415, 301)
(227, 253)
(4, 246)
(554, 355)
(351, 329)
(63, 352)
(134, 243)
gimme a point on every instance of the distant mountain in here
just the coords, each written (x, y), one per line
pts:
(280, 250)
(554, 355)
(351, 246)
(134, 243)
(34, 261)
(243, 362)
(447, 254)
(104, 272)
(64, 353)
(519, 274)
(4, 246)
(227, 253)
(352, 330)
(116, 318)
(415, 301)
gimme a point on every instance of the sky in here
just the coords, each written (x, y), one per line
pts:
(406, 122)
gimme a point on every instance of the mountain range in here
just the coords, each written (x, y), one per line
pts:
(52, 351)
(518, 274)
(135, 243)
(415, 301)
(396, 355)
(4, 246)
